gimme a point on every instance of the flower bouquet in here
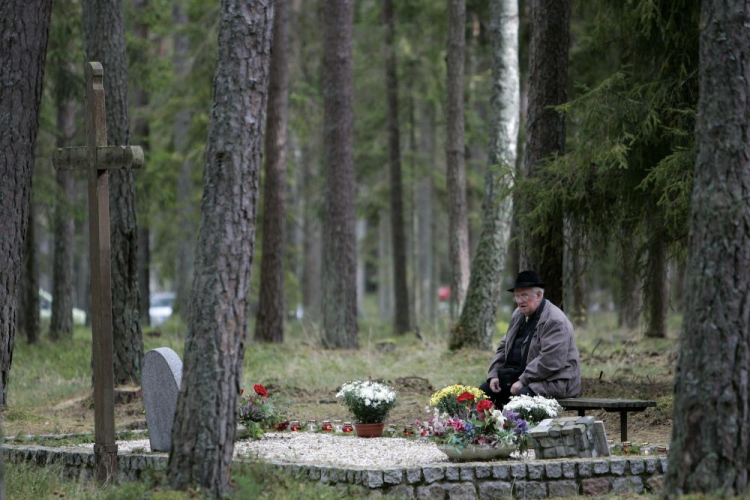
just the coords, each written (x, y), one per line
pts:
(476, 430)
(446, 400)
(534, 409)
(259, 410)
(368, 402)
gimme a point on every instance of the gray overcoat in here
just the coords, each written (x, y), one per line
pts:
(553, 366)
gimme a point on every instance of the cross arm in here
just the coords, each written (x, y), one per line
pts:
(107, 158)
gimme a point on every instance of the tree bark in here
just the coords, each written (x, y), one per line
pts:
(629, 284)
(458, 226)
(28, 300)
(655, 291)
(711, 430)
(23, 47)
(340, 328)
(185, 188)
(269, 324)
(311, 237)
(205, 423)
(425, 245)
(574, 270)
(476, 325)
(61, 323)
(545, 133)
(385, 267)
(401, 292)
(104, 42)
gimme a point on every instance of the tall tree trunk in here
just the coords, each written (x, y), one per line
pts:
(711, 430)
(312, 246)
(28, 300)
(458, 226)
(340, 328)
(205, 423)
(269, 324)
(140, 101)
(185, 188)
(23, 47)
(104, 42)
(655, 291)
(476, 325)
(61, 323)
(545, 132)
(575, 282)
(385, 265)
(629, 284)
(361, 230)
(81, 259)
(401, 293)
(425, 241)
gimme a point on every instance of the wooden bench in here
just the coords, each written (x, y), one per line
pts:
(611, 405)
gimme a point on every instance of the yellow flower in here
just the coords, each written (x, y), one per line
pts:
(453, 391)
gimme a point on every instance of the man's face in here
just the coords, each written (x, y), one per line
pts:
(527, 300)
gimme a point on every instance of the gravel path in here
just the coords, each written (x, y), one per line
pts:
(325, 449)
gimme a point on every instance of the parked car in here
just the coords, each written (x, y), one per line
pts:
(45, 309)
(160, 307)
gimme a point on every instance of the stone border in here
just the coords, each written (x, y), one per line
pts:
(532, 479)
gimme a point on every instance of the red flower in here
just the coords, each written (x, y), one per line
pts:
(466, 396)
(484, 404)
(242, 391)
(260, 390)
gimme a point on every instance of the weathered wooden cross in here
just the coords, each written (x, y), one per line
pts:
(98, 158)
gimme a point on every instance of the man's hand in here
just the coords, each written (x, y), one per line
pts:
(515, 387)
(495, 385)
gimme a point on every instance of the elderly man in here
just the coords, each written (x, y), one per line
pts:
(538, 354)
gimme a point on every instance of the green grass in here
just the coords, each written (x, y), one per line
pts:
(49, 377)
(27, 481)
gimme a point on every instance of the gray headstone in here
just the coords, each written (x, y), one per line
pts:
(160, 384)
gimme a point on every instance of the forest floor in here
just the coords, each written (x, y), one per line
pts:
(50, 383)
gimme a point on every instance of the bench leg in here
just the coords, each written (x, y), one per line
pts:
(581, 413)
(623, 426)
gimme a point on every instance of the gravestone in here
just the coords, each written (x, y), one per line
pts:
(160, 384)
(569, 437)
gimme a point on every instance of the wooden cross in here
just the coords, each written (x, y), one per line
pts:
(98, 158)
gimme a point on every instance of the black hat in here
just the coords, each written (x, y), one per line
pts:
(527, 279)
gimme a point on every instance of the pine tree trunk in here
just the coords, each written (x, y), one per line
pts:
(361, 230)
(385, 265)
(476, 325)
(104, 42)
(545, 132)
(340, 328)
(628, 293)
(144, 273)
(574, 279)
(458, 226)
(205, 422)
(425, 218)
(81, 259)
(401, 295)
(711, 427)
(28, 300)
(185, 188)
(655, 291)
(23, 47)
(269, 324)
(61, 323)
(312, 246)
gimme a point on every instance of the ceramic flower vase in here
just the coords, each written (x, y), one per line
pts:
(369, 430)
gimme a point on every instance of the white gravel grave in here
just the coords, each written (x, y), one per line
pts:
(324, 449)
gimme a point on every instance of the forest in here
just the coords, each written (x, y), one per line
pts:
(328, 168)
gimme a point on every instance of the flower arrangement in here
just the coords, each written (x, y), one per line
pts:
(446, 400)
(478, 424)
(258, 410)
(368, 402)
(534, 409)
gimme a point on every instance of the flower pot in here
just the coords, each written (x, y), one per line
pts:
(473, 452)
(369, 430)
